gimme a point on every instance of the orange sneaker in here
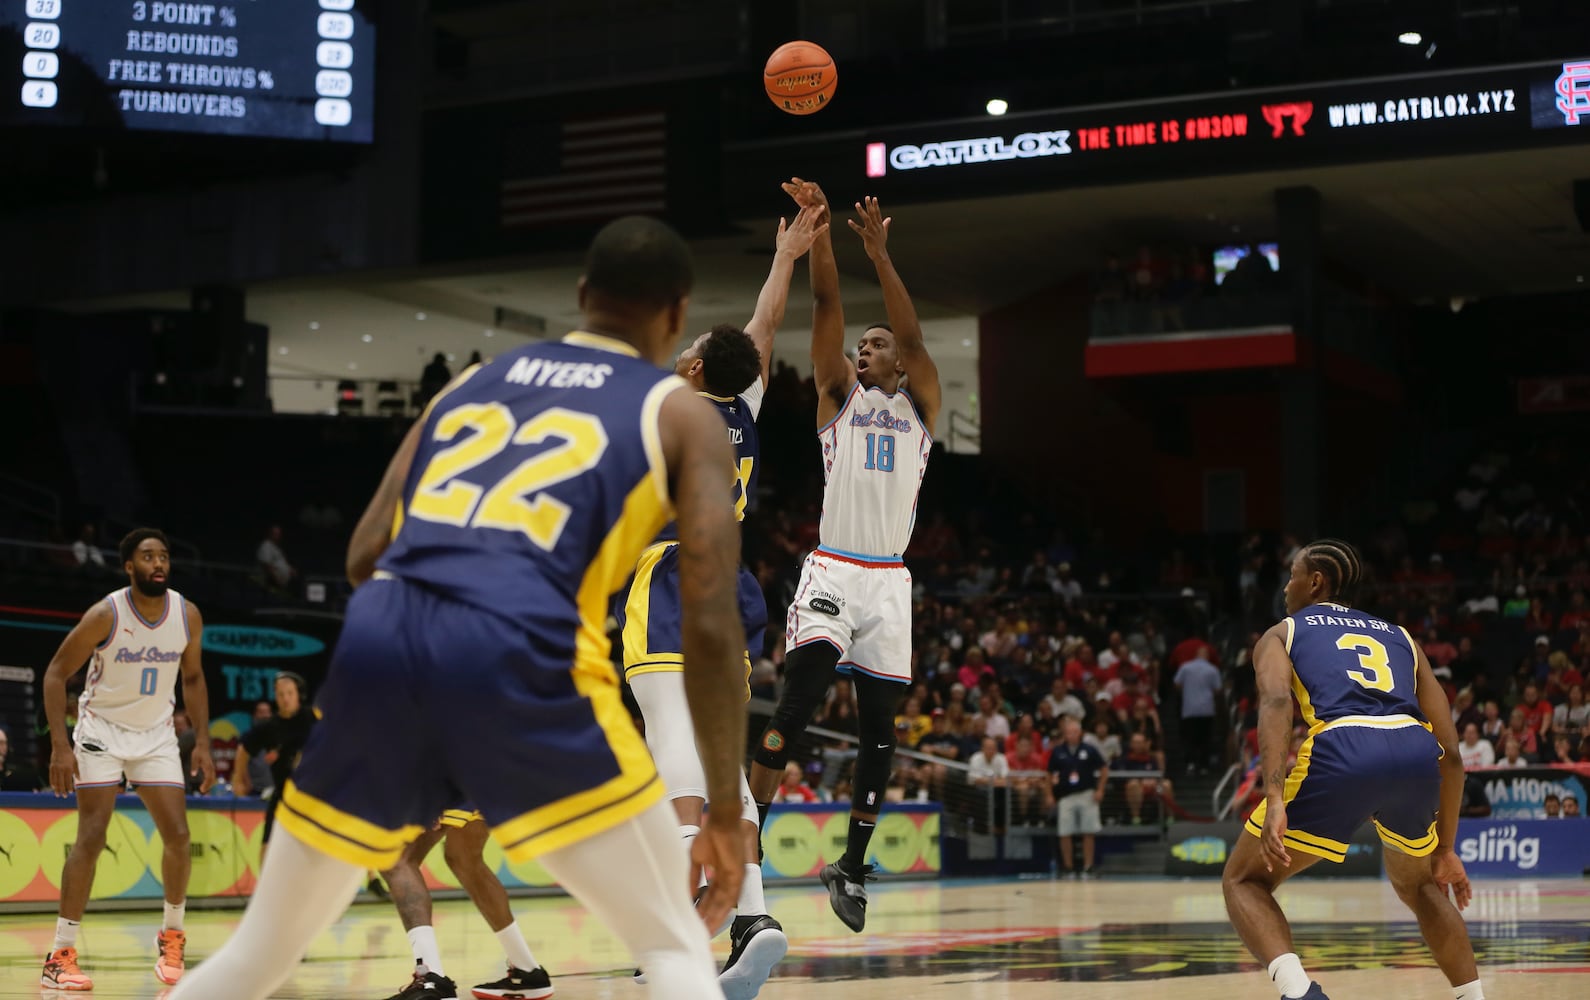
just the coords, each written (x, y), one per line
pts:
(169, 966)
(61, 972)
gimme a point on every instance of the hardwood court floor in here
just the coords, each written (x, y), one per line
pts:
(978, 940)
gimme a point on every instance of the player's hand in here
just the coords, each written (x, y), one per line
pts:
(1272, 843)
(203, 764)
(63, 770)
(1450, 875)
(873, 228)
(807, 194)
(721, 847)
(801, 233)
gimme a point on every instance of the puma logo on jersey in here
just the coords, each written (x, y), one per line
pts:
(558, 374)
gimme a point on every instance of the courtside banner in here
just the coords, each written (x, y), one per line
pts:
(1520, 792)
(36, 831)
(1509, 848)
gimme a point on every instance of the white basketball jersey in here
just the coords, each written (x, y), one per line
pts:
(874, 455)
(132, 680)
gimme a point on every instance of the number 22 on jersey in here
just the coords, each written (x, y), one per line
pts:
(1376, 672)
(515, 502)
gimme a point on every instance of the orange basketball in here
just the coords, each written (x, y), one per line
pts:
(800, 78)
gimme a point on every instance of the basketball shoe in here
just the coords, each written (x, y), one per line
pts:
(847, 892)
(61, 972)
(517, 985)
(759, 944)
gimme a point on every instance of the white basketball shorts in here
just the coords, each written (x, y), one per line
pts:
(106, 751)
(860, 604)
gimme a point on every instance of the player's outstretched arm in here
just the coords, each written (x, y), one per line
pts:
(196, 699)
(792, 242)
(699, 461)
(833, 372)
(1273, 672)
(75, 649)
(920, 371)
(374, 531)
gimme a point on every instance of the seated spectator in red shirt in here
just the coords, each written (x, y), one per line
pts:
(793, 787)
(1538, 619)
(1440, 652)
(1537, 711)
(1029, 767)
(1025, 729)
(1578, 613)
(1140, 756)
(1082, 667)
(1520, 730)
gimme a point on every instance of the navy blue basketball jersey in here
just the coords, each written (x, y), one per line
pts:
(739, 414)
(1347, 663)
(538, 481)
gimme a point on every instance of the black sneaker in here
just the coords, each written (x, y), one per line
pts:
(517, 985)
(847, 893)
(1315, 992)
(427, 985)
(759, 944)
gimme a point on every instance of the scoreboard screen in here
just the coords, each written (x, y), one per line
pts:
(284, 69)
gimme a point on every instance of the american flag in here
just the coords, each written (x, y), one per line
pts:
(604, 167)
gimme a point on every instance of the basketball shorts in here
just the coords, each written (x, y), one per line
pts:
(861, 606)
(651, 618)
(430, 703)
(1384, 769)
(105, 752)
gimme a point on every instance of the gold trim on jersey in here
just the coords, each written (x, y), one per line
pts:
(717, 399)
(1375, 722)
(1415, 651)
(1291, 632)
(651, 435)
(599, 342)
(343, 836)
(1299, 840)
(640, 658)
(457, 819)
(636, 787)
(1420, 848)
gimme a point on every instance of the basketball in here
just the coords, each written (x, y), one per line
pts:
(800, 78)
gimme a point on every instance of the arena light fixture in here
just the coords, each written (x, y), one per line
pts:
(1410, 38)
(366, 338)
(997, 106)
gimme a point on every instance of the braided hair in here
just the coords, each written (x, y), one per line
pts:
(1340, 564)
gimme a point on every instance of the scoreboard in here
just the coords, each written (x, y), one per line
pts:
(286, 69)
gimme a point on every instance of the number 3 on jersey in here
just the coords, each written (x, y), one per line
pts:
(880, 452)
(1376, 674)
(516, 501)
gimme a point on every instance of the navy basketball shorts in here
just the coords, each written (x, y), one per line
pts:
(430, 703)
(651, 618)
(1362, 769)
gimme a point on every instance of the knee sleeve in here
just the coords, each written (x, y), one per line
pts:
(808, 671)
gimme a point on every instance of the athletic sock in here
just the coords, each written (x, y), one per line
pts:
(1288, 976)
(688, 834)
(65, 933)
(856, 843)
(516, 948)
(752, 901)
(174, 915)
(1468, 991)
(426, 951)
